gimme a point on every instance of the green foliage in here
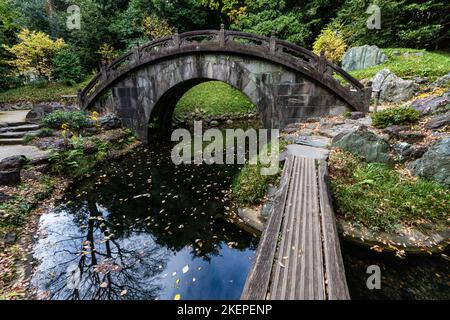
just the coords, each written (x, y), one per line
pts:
(404, 23)
(33, 55)
(73, 119)
(8, 29)
(155, 27)
(213, 98)
(16, 209)
(35, 94)
(347, 114)
(67, 67)
(405, 63)
(28, 138)
(250, 186)
(74, 162)
(45, 132)
(286, 26)
(395, 116)
(331, 43)
(381, 198)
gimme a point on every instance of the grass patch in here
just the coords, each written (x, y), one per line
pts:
(40, 93)
(383, 199)
(395, 116)
(249, 187)
(73, 119)
(431, 64)
(214, 98)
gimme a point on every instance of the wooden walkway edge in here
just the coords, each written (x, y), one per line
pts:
(299, 256)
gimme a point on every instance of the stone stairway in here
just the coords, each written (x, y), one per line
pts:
(14, 133)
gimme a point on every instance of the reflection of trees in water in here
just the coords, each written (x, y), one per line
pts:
(109, 269)
(201, 214)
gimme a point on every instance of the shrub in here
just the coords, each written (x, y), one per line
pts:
(45, 132)
(33, 54)
(67, 67)
(28, 138)
(395, 116)
(383, 199)
(74, 119)
(331, 43)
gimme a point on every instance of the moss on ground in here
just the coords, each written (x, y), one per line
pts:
(384, 199)
(430, 64)
(214, 98)
(40, 93)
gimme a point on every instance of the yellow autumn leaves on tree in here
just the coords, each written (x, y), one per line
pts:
(155, 27)
(331, 43)
(34, 53)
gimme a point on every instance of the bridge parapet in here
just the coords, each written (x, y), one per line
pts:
(317, 68)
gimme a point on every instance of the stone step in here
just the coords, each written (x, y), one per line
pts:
(19, 134)
(24, 127)
(16, 124)
(10, 142)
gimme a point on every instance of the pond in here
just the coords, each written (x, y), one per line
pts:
(143, 228)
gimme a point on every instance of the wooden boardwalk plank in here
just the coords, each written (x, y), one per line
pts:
(334, 266)
(257, 284)
(299, 256)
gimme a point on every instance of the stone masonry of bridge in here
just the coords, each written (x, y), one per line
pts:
(285, 82)
(282, 96)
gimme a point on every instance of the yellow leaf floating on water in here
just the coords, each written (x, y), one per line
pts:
(177, 281)
(377, 248)
(177, 297)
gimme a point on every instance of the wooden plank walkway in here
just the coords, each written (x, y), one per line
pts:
(299, 256)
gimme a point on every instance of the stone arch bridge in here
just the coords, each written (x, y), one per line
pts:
(287, 83)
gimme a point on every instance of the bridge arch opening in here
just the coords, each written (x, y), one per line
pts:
(200, 99)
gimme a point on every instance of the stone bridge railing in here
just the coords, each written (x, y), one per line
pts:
(269, 48)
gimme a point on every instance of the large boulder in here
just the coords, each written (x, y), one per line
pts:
(14, 162)
(443, 81)
(392, 88)
(363, 57)
(10, 170)
(406, 151)
(365, 143)
(435, 163)
(438, 122)
(10, 177)
(110, 121)
(432, 104)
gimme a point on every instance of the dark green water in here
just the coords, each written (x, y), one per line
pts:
(143, 228)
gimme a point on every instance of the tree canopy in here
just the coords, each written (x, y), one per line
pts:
(121, 24)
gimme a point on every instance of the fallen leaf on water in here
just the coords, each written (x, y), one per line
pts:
(185, 269)
(104, 285)
(124, 292)
(177, 297)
